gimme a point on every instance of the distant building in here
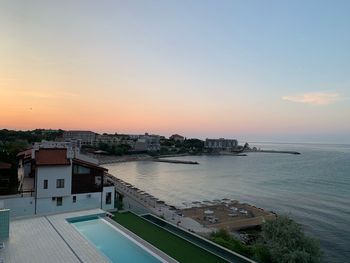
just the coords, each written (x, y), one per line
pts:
(221, 144)
(148, 143)
(115, 139)
(107, 138)
(86, 137)
(140, 146)
(177, 137)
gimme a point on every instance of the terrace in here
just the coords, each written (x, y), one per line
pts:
(230, 215)
(48, 239)
(55, 238)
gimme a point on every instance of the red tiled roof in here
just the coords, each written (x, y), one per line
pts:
(25, 154)
(51, 157)
(5, 165)
(88, 164)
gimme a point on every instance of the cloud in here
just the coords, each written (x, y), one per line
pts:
(314, 98)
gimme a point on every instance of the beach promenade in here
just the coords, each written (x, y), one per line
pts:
(200, 217)
(141, 202)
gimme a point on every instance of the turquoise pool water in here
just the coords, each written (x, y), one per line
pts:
(113, 243)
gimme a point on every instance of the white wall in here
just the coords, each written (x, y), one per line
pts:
(51, 174)
(20, 170)
(25, 206)
(83, 201)
(19, 206)
(23, 170)
(134, 205)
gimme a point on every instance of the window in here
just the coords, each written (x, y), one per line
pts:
(108, 198)
(74, 198)
(59, 201)
(46, 183)
(77, 169)
(60, 183)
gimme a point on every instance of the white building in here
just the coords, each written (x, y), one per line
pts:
(149, 143)
(221, 144)
(86, 137)
(177, 137)
(54, 180)
(107, 138)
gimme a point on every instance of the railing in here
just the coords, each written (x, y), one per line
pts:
(25, 192)
(147, 200)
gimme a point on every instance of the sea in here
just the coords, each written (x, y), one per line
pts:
(313, 188)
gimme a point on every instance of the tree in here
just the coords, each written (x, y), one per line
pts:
(286, 242)
(280, 241)
(104, 147)
(8, 152)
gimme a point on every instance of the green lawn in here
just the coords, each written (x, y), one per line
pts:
(176, 247)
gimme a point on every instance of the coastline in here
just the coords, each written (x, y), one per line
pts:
(109, 159)
(262, 182)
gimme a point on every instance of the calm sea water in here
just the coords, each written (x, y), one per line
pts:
(313, 188)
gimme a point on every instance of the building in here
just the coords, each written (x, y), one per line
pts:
(177, 137)
(150, 143)
(107, 138)
(59, 179)
(221, 144)
(115, 139)
(86, 137)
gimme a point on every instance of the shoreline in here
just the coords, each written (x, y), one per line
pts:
(133, 158)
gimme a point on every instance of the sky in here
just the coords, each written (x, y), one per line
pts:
(252, 70)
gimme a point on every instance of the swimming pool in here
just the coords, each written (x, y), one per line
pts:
(112, 242)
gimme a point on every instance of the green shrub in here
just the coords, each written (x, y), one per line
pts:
(223, 238)
(286, 242)
(280, 241)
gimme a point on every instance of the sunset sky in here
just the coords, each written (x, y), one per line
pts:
(252, 70)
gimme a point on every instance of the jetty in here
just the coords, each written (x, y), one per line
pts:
(174, 161)
(274, 151)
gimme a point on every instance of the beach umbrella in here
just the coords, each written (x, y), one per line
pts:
(208, 212)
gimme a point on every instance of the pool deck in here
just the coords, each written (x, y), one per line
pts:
(51, 239)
